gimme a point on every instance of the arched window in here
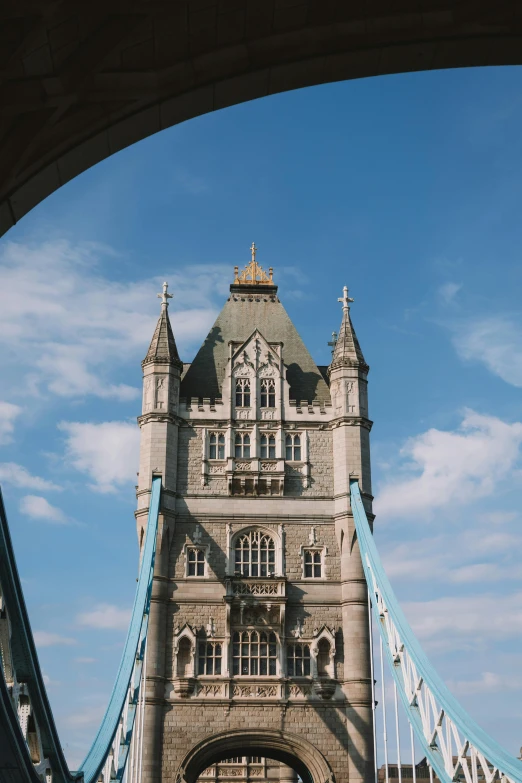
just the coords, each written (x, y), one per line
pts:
(243, 393)
(254, 554)
(254, 653)
(268, 393)
(323, 657)
(184, 657)
(216, 445)
(242, 445)
(268, 447)
(298, 660)
(293, 448)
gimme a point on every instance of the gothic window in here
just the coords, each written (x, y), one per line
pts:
(298, 660)
(254, 554)
(268, 393)
(323, 658)
(242, 445)
(184, 657)
(313, 563)
(254, 653)
(195, 561)
(268, 447)
(243, 393)
(209, 658)
(293, 448)
(217, 445)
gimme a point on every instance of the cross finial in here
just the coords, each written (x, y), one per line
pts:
(253, 249)
(345, 299)
(165, 296)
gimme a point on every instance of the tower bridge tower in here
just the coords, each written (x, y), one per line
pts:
(258, 643)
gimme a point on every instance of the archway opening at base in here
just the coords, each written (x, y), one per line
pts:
(289, 749)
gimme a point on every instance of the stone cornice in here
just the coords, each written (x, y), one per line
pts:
(351, 421)
(171, 418)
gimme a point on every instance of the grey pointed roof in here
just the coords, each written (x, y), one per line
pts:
(163, 345)
(347, 350)
(249, 308)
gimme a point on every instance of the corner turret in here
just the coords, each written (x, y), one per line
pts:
(158, 422)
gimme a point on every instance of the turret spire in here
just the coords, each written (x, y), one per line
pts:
(347, 350)
(163, 346)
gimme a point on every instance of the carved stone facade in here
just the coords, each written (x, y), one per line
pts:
(259, 622)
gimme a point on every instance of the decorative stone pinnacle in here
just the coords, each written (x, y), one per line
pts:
(165, 296)
(345, 299)
(253, 274)
(333, 341)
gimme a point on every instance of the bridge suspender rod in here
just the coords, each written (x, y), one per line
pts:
(413, 770)
(383, 692)
(142, 719)
(372, 674)
(397, 731)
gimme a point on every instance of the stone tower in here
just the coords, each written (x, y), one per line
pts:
(259, 638)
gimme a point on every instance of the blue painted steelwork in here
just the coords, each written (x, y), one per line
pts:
(131, 662)
(20, 675)
(419, 685)
(14, 758)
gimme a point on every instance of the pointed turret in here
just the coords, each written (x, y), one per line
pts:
(162, 370)
(347, 351)
(163, 345)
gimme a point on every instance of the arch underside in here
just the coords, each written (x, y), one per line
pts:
(81, 79)
(302, 756)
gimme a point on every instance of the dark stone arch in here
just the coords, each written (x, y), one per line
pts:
(293, 750)
(82, 80)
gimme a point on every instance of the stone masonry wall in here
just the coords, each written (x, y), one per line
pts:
(320, 457)
(323, 726)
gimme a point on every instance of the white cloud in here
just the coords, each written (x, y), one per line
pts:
(77, 328)
(448, 292)
(48, 682)
(464, 621)
(106, 616)
(19, 477)
(496, 342)
(48, 639)
(451, 559)
(37, 507)
(452, 468)
(107, 452)
(85, 660)
(488, 682)
(8, 414)
(88, 716)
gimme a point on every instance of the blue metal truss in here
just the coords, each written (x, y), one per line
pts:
(453, 743)
(35, 755)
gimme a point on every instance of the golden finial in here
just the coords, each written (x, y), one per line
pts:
(253, 274)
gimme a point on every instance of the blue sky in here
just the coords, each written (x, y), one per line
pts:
(407, 189)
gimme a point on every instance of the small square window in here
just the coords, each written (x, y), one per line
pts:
(195, 562)
(313, 563)
(293, 448)
(209, 658)
(216, 445)
(268, 447)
